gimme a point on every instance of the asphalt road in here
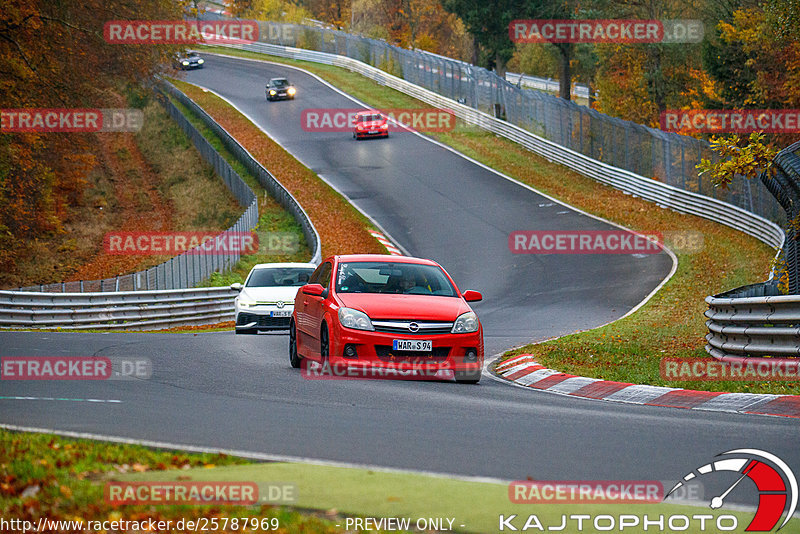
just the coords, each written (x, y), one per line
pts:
(238, 392)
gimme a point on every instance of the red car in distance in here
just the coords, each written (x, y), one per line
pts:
(370, 123)
(382, 310)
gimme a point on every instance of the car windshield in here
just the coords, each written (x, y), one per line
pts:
(369, 118)
(279, 83)
(279, 276)
(193, 54)
(388, 277)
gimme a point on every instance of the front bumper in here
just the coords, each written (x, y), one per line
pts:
(262, 319)
(456, 352)
(364, 134)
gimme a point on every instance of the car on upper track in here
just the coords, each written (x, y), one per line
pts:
(370, 123)
(188, 60)
(384, 310)
(266, 299)
(280, 89)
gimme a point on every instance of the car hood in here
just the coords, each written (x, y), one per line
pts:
(270, 294)
(414, 307)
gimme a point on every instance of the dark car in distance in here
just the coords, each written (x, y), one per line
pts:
(280, 89)
(189, 60)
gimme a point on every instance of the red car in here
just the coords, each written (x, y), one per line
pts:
(370, 123)
(379, 310)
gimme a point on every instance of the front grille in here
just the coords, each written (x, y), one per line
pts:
(387, 354)
(426, 328)
(263, 321)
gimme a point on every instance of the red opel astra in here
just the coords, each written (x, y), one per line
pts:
(370, 123)
(384, 310)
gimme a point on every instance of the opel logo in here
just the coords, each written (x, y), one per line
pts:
(280, 304)
(413, 327)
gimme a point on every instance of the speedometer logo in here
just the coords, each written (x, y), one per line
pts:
(776, 485)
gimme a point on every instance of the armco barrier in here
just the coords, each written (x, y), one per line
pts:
(124, 310)
(143, 307)
(753, 322)
(267, 181)
(662, 194)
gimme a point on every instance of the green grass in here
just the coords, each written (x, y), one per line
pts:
(42, 475)
(473, 506)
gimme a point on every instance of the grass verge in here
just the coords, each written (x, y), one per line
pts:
(63, 479)
(671, 324)
(341, 227)
(272, 216)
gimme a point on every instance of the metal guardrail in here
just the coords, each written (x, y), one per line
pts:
(753, 322)
(662, 194)
(544, 84)
(264, 177)
(124, 310)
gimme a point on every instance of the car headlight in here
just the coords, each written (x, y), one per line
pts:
(272, 91)
(466, 323)
(184, 62)
(291, 90)
(385, 127)
(201, 61)
(246, 303)
(350, 318)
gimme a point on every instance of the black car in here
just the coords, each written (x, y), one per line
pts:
(280, 89)
(189, 60)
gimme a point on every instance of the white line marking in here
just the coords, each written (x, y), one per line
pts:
(498, 173)
(59, 399)
(248, 454)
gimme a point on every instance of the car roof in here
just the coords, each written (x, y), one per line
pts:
(285, 264)
(369, 112)
(279, 79)
(380, 257)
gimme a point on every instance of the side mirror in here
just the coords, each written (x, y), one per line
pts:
(313, 289)
(237, 286)
(472, 296)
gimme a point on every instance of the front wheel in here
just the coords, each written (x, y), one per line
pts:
(294, 358)
(324, 344)
(468, 377)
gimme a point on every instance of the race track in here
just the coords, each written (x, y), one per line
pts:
(238, 392)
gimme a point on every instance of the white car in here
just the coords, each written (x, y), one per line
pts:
(266, 300)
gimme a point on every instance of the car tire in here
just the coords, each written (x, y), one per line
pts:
(294, 358)
(468, 377)
(324, 344)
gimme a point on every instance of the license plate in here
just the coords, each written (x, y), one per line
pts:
(421, 345)
(373, 131)
(280, 313)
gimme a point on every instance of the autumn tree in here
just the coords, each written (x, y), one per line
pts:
(52, 55)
